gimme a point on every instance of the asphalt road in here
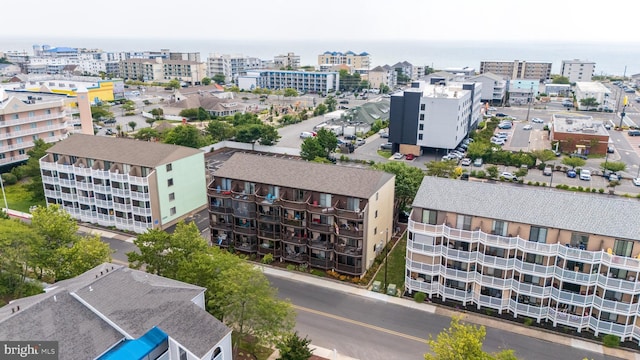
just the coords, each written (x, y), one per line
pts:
(375, 330)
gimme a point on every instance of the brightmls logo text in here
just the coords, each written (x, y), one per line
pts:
(32, 350)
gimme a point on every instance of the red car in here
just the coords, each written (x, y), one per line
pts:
(409, 156)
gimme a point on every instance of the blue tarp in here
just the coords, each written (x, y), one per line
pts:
(139, 348)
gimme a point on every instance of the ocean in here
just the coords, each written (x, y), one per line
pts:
(610, 58)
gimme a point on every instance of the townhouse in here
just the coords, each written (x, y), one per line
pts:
(570, 259)
(129, 184)
(319, 215)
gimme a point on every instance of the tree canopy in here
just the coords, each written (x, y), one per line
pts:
(185, 135)
(614, 166)
(319, 146)
(574, 162)
(441, 168)
(293, 347)
(408, 180)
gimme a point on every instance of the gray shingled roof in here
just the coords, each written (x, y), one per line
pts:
(122, 150)
(588, 213)
(300, 174)
(133, 300)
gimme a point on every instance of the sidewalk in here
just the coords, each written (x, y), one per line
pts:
(439, 310)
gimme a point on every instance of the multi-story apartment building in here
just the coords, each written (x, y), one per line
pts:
(132, 185)
(355, 61)
(26, 117)
(494, 88)
(291, 61)
(191, 72)
(325, 216)
(302, 81)
(433, 115)
(578, 70)
(518, 69)
(383, 75)
(555, 256)
(231, 66)
(142, 69)
(594, 90)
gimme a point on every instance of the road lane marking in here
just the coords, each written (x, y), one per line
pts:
(359, 323)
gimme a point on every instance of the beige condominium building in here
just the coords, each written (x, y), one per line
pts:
(569, 259)
(518, 69)
(320, 215)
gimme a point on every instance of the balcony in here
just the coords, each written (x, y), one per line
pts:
(268, 218)
(137, 210)
(492, 302)
(317, 226)
(458, 255)
(456, 294)
(269, 234)
(105, 204)
(349, 214)
(610, 283)
(81, 185)
(121, 207)
(246, 229)
(564, 318)
(293, 204)
(530, 289)
(219, 208)
(52, 194)
(221, 194)
(496, 261)
(534, 269)
(141, 196)
(12, 159)
(319, 209)
(427, 269)
(351, 231)
(571, 297)
(320, 245)
(494, 282)
(30, 119)
(610, 327)
(615, 306)
(538, 312)
(352, 251)
(575, 276)
(246, 246)
(292, 238)
(269, 248)
(421, 285)
(30, 131)
(297, 256)
(102, 189)
(68, 196)
(243, 197)
(120, 192)
(67, 182)
(457, 274)
(349, 269)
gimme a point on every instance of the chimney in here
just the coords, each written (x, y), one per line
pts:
(84, 106)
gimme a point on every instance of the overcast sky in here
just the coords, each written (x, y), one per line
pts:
(486, 20)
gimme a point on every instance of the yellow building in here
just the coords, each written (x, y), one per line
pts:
(99, 90)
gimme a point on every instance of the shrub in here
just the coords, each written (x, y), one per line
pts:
(593, 190)
(291, 267)
(419, 297)
(537, 183)
(267, 259)
(530, 182)
(9, 178)
(528, 321)
(601, 191)
(489, 312)
(611, 341)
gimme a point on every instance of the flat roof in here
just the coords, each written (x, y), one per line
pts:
(578, 124)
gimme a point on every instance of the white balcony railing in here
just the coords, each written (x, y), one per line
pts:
(30, 119)
(30, 131)
(615, 306)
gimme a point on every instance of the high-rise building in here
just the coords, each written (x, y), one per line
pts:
(518, 69)
(578, 70)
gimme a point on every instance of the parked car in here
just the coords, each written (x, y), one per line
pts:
(386, 146)
(409, 157)
(576, 155)
(500, 142)
(477, 162)
(633, 132)
(350, 137)
(465, 162)
(571, 173)
(610, 149)
(537, 121)
(502, 135)
(307, 134)
(505, 125)
(585, 174)
(548, 170)
(109, 121)
(508, 176)
(109, 132)
(344, 101)
(360, 141)
(397, 156)
(501, 115)
(527, 127)
(492, 109)
(384, 135)
(636, 181)
(614, 177)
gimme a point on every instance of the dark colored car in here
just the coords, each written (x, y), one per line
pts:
(571, 173)
(576, 155)
(501, 115)
(350, 137)
(634, 132)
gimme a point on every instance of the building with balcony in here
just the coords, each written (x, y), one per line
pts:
(565, 258)
(577, 70)
(26, 117)
(324, 216)
(494, 88)
(383, 75)
(518, 69)
(231, 66)
(129, 184)
(355, 61)
(290, 61)
(302, 81)
(113, 312)
(433, 115)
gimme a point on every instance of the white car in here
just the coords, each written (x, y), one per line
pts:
(307, 134)
(492, 109)
(636, 181)
(585, 174)
(397, 156)
(527, 127)
(537, 121)
(465, 162)
(508, 176)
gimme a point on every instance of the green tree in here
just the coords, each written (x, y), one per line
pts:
(492, 171)
(478, 149)
(320, 109)
(190, 114)
(174, 83)
(19, 243)
(220, 130)
(132, 125)
(249, 133)
(408, 179)
(269, 135)
(589, 102)
(574, 162)
(219, 78)
(146, 134)
(185, 135)
(384, 89)
(461, 342)
(157, 113)
(128, 106)
(85, 254)
(206, 81)
(32, 169)
(331, 103)
(560, 80)
(441, 168)
(543, 155)
(327, 140)
(293, 347)
(614, 166)
(311, 149)
(290, 92)
(101, 113)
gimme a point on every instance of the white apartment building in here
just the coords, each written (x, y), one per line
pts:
(433, 115)
(555, 256)
(330, 59)
(302, 81)
(518, 69)
(596, 90)
(26, 117)
(494, 88)
(290, 61)
(578, 70)
(231, 66)
(383, 75)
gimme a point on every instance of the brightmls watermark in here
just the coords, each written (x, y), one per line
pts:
(31, 350)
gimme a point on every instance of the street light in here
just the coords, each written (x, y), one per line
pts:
(6, 206)
(386, 255)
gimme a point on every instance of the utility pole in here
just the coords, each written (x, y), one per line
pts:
(530, 101)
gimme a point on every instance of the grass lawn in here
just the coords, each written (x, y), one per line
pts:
(384, 153)
(19, 198)
(396, 266)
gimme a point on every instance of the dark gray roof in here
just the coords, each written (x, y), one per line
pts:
(122, 150)
(306, 175)
(132, 301)
(588, 213)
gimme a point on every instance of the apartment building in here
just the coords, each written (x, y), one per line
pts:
(231, 66)
(290, 61)
(26, 117)
(494, 88)
(518, 69)
(114, 312)
(158, 69)
(132, 185)
(190, 72)
(565, 258)
(383, 75)
(98, 89)
(433, 115)
(325, 216)
(302, 81)
(595, 90)
(578, 70)
(355, 61)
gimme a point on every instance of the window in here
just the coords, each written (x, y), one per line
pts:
(429, 216)
(464, 222)
(499, 227)
(353, 204)
(419, 136)
(421, 127)
(325, 200)
(172, 196)
(169, 167)
(183, 354)
(376, 215)
(422, 107)
(538, 234)
(421, 116)
(34, 125)
(172, 211)
(622, 247)
(578, 239)
(170, 182)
